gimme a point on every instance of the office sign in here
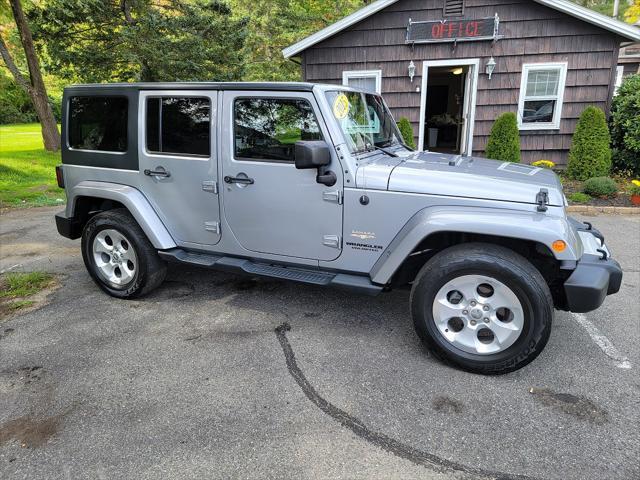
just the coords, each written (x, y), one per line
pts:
(464, 30)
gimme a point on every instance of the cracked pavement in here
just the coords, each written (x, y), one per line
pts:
(192, 381)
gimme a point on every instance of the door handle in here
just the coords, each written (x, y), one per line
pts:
(240, 180)
(157, 173)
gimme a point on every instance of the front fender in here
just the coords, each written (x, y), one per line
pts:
(133, 200)
(544, 228)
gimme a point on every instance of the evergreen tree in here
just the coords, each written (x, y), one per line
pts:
(504, 139)
(141, 40)
(406, 130)
(590, 153)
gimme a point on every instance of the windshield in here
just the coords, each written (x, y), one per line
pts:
(364, 119)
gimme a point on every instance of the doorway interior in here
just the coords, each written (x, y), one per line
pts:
(448, 106)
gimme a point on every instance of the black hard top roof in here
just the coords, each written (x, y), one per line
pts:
(272, 86)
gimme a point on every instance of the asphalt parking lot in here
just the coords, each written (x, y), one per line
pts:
(220, 376)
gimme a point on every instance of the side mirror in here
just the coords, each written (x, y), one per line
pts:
(312, 154)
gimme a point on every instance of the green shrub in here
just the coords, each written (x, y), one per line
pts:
(16, 106)
(406, 130)
(504, 139)
(603, 187)
(579, 197)
(625, 126)
(590, 154)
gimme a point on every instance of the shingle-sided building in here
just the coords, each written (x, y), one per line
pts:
(453, 66)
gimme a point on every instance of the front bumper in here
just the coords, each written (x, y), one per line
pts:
(68, 227)
(596, 274)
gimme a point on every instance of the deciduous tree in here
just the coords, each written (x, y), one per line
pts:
(33, 85)
(276, 24)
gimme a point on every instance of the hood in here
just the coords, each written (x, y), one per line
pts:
(454, 175)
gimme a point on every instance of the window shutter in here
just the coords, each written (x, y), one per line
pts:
(453, 8)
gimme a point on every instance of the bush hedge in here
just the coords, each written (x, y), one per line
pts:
(625, 126)
(406, 130)
(504, 139)
(603, 187)
(590, 153)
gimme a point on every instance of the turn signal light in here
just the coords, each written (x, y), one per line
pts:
(559, 246)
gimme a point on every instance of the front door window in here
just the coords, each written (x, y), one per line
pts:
(267, 128)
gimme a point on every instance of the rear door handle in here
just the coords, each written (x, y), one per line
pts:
(241, 180)
(157, 173)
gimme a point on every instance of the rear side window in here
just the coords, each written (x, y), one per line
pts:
(268, 128)
(179, 125)
(98, 123)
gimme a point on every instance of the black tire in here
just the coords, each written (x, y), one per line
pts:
(507, 267)
(150, 270)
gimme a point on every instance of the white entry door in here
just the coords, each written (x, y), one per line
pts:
(471, 89)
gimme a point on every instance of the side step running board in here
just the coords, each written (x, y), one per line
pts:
(356, 283)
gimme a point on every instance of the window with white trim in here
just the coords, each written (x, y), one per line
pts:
(368, 80)
(541, 95)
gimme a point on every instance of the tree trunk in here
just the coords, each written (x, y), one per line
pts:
(35, 87)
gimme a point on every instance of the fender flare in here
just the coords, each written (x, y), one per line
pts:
(542, 228)
(133, 200)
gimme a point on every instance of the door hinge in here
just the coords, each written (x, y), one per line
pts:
(333, 241)
(210, 186)
(212, 227)
(334, 196)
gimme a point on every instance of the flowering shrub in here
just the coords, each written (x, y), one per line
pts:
(544, 164)
(635, 187)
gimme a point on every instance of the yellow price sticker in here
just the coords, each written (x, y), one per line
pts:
(341, 106)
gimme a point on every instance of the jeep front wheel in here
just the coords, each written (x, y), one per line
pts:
(119, 257)
(482, 307)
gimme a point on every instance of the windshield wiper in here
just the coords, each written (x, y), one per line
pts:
(384, 150)
(390, 143)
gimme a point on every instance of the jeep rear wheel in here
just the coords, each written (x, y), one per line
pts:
(482, 307)
(119, 257)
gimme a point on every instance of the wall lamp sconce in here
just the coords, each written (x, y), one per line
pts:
(412, 70)
(490, 67)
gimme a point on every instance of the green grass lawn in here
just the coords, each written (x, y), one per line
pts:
(27, 170)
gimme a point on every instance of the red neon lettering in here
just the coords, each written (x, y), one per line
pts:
(451, 27)
(469, 29)
(436, 30)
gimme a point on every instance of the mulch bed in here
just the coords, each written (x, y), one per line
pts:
(574, 186)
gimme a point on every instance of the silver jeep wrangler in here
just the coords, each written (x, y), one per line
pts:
(312, 183)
